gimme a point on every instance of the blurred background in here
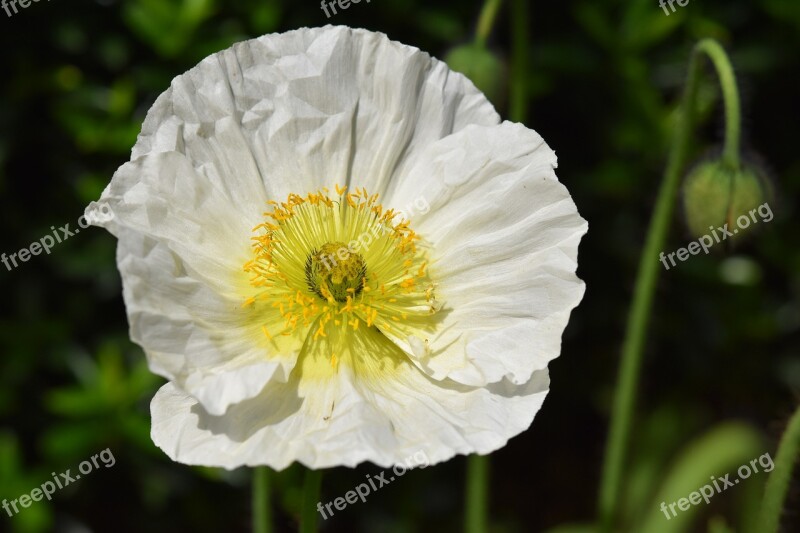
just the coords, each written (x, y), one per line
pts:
(600, 79)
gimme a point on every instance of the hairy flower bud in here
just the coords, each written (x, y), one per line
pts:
(715, 194)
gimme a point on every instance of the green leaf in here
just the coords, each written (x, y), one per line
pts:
(168, 27)
(717, 453)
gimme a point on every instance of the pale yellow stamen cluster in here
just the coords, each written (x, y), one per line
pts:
(396, 286)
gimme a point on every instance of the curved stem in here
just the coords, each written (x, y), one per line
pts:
(308, 512)
(730, 95)
(518, 99)
(649, 267)
(475, 513)
(639, 315)
(486, 20)
(778, 481)
(261, 508)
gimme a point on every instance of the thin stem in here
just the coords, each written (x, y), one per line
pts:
(639, 315)
(308, 513)
(262, 518)
(649, 267)
(778, 481)
(518, 100)
(486, 21)
(477, 487)
(730, 95)
(475, 513)
(476, 506)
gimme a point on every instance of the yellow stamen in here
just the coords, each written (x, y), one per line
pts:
(301, 278)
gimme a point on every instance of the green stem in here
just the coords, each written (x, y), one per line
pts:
(649, 270)
(311, 490)
(518, 100)
(477, 486)
(475, 513)
(486, 21)
(261, 508)
(730, 95)
(778, 481)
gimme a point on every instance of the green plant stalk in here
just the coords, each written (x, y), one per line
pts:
(518, 98)
(476, 509)
(486, 21)
(262, 519)
(477, 487)
(778, 481)
(730, 95)
(311, 490)
(649, 269)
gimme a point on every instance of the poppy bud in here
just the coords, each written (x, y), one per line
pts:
(716, 194)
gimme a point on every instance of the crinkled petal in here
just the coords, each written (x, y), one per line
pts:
(314, 107)
(505, 235)
(373, 405)
(204, 342)
(282, 113)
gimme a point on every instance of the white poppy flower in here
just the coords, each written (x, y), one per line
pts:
(405, 289)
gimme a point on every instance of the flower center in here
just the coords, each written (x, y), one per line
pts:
(339, 261)
(337, 270)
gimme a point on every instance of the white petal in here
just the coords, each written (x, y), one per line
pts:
(505, 236)
(190, 333)
(316, 107)
(278, 114)
(164, 198)
(382, 410)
